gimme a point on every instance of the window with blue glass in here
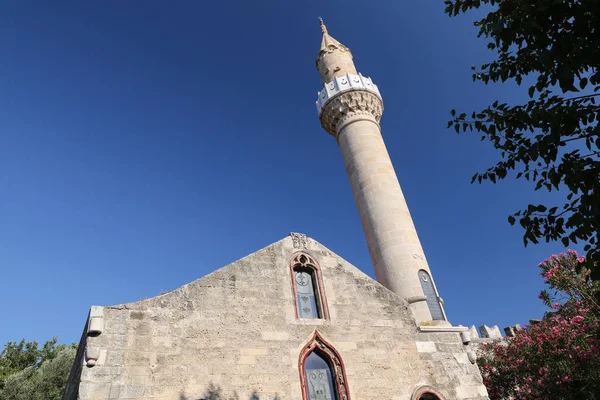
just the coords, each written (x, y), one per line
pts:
(433, 301)
(319, 378)
(322, 372)
(306, 282)
(306, 295)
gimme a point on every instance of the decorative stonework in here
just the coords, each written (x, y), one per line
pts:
(337, 365)
(350, 104)
(345, 83)
(303, 260)
(299, 240)
(95, 328)
(92, 354)
(96, 321)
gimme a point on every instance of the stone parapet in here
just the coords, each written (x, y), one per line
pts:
(493, 332)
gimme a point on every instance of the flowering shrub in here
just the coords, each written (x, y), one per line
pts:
(559, 357)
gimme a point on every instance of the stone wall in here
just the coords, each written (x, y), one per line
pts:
(236, 330)
(72, 386)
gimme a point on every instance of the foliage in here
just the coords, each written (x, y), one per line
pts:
(553, 139)
(559, 357)
(33, 373)
(17, 356)
(569, 283)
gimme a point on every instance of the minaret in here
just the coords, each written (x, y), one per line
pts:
(350, 107)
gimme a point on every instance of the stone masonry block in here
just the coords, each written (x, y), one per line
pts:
(275, 335)
(247, 360)
(254, 352)
(115, 391)
(462, 358)
(467, 392)
(473, 332)
(134, 391)
(490, 332)
(346, 345)
(426, 347)
(448, 337)
(93, 391)
(449, 347)
(512, 330)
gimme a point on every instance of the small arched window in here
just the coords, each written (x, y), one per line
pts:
(432, 298)
(308, 288)
(429, 396)
(426, 393)
(322, 372)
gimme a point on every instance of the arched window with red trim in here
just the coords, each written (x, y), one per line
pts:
(307, 286)
(322, 373)
(426, 393)
(428, 396)
(319, 377)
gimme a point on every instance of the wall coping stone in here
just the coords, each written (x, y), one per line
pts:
(427, 329)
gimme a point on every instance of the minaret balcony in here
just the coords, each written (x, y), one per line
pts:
(344, 83)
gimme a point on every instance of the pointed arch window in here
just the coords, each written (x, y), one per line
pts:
(433, 301)
(319, 379)
(309, 296)
(322, 373)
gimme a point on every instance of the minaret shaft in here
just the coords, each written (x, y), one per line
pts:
(392, 239)
(350, 107)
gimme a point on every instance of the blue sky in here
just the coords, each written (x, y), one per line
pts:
(144, 144)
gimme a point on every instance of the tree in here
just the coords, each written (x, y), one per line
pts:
(28, 372)
(552, 47)
(16, 357)
(557, 358)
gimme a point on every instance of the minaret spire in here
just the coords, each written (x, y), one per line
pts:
(323, 27)
(334, 59)
(350, 107)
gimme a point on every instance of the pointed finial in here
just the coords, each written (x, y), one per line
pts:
(323, 27)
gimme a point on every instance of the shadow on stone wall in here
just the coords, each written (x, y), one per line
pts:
(214, 392)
